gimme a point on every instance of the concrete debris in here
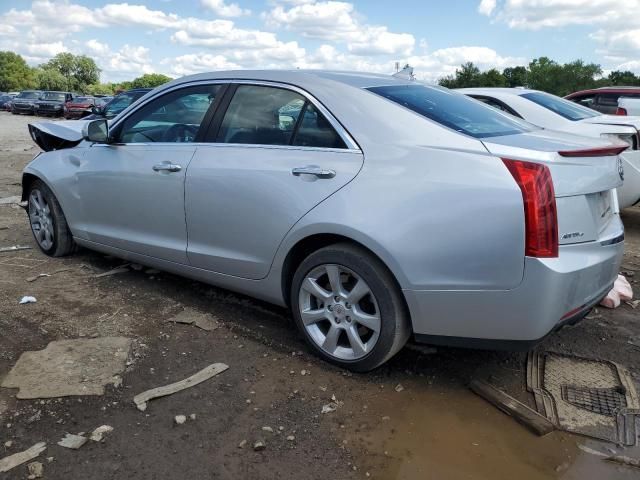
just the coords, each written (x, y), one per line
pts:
(16, 459)
(72, 441)
(27, 299)
(242, 444)
(259, 446)
(98, 434)
(192, 416)
(290, 438)
(69, 367)
(267, 429)
(36, 469)
(399, 388)
(191, 317)
(121, 269)
(180, 419)
(14, 248)
(330, 407)
(205, 374)
(8, 444)
(14, 200)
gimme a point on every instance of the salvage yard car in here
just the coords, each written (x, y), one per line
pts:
(25, 102)
(117, 104)
(52, 103)
(376, 208)
(79, 107)
(555, 113)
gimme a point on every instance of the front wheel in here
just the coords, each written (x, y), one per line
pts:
(48, 223)
(349, 308)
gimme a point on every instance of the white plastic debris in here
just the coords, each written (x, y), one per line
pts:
(72, 441)
(98, 434)
(621, 292)
(27, 299)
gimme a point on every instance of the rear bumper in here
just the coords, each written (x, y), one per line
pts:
(553, 292)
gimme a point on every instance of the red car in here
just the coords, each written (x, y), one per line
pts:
(79, 107)
(605, 99)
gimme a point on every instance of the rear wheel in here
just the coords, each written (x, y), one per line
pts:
(48, 223)
(349, 308)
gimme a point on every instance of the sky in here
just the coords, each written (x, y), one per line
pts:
(181, 37)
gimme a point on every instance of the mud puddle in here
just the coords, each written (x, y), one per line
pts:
(449, 433)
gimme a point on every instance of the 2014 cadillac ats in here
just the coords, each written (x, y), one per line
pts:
(376, 208)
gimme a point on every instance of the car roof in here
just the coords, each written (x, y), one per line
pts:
(299, 77)
(490, 90)
(604, 90)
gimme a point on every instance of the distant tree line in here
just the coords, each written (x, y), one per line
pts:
(541, 74)
(65, 72)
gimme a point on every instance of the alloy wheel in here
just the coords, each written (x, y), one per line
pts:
(41, 219)
(339, 312)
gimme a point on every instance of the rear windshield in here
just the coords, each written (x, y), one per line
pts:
(83, 100)
(564, 108)
(57, 96)
(453, 110)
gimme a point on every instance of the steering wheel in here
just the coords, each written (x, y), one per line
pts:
(180, 132)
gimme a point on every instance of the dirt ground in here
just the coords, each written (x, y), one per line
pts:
(433, 428)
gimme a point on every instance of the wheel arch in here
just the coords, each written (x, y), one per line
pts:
(303, 247)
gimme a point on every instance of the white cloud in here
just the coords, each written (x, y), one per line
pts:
(617, 26)
(339, 22)
(220, 7)
(486, 7)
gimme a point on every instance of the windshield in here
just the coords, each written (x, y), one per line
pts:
(29, 95)
(453, 110)
(564, 108)
(56, 96)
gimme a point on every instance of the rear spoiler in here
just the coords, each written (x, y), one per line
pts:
(594, 152)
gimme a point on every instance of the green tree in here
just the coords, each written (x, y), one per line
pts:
(150, 80)
(78, 70)
(49, 79)
(625, 78)
(468, 75)
(100, 89)
(15, 74)
(515, 76)
(492, 78)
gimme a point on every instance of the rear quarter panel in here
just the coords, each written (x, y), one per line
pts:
(439, 219)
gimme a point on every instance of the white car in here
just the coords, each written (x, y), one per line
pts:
(555, 113)
(628, 106)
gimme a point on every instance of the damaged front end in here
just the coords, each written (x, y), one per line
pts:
(57, 135)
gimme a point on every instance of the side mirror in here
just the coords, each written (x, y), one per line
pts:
(96, 110)
(97, 131)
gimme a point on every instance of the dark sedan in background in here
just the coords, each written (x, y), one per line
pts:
(118, 104)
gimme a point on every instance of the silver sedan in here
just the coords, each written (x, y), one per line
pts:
(376, 208)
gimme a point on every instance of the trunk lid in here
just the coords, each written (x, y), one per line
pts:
(584, 185)
(619, 120)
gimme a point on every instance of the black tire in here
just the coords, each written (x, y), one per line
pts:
(395, 324)
(63, 243)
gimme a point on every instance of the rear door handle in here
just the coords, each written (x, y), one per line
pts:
(312, 170)
(167, 167)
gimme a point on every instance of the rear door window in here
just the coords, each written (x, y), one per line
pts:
(453, 110)
(264, 115)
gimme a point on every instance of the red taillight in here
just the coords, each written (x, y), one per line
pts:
(540, 214)
(622, 111)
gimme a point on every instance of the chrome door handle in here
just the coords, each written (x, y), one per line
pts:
(317, 171)
(167, 167)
